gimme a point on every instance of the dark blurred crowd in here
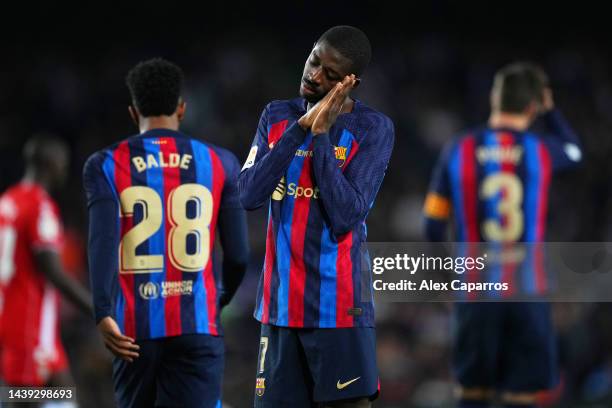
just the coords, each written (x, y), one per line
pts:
(431, 85)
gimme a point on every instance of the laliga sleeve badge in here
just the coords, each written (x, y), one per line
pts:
(250, 161)
(260, 386)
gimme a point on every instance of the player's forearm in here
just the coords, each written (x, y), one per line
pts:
(233, 273)
(50, 265)
(344, 204)
(257, 183)
(234, 241)
(557, 124)
(103, 246)
(75, 293)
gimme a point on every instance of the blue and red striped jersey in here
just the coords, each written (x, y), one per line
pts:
(168, 189)
(320, 190)
(496, 182)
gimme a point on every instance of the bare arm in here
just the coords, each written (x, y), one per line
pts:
(49, 263)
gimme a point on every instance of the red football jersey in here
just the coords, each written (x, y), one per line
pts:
(29, 221)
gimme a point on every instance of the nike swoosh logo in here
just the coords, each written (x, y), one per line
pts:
(340, 385)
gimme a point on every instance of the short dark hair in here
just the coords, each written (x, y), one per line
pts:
(352, 43)
(43, 148)
(155, 86)
(520, 83)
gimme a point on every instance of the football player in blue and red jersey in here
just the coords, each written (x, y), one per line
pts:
(318, 162)
(155, 202)
(495, 182)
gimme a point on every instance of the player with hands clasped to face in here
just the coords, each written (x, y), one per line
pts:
(318, 160)
(322, 116)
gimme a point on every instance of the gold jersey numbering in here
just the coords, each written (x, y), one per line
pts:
(509, 207)
(181, 228)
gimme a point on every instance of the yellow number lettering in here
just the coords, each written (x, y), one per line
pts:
(509, 207)
(263, 349)
(181, 228)
(151, 221)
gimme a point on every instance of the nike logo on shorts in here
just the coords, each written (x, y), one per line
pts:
(340, 385)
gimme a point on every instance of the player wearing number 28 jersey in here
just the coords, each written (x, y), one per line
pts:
(155, 201)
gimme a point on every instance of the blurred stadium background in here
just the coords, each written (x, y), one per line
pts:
(431, 73)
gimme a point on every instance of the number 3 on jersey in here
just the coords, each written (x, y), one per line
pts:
(509, 207)
(181, 228)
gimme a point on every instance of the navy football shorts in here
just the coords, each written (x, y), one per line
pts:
(302, 367)
(505, 346)
(181, 371)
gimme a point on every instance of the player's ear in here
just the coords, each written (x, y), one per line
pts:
(134, 115)
(533, 109)
(180, 110)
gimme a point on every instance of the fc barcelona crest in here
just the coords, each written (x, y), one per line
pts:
(340, 152)
(260, 386)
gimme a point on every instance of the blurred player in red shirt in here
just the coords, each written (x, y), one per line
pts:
(31, 272)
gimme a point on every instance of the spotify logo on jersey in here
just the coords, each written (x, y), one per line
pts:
(293, 190)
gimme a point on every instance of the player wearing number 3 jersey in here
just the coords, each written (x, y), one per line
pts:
(495, 182)
(155, 202)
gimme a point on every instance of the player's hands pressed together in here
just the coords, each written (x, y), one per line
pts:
(309, 117)
(121, 346)
(329, 112)
(323, 115)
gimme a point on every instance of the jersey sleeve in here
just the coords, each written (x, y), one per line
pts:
(265, 166)
(259, 147)
(232, 227)
(230, 197)
(103, 242)
(438, 201)
(95, 183)
(348, 196)
(45, 227)
(562, 142)
(437, 208)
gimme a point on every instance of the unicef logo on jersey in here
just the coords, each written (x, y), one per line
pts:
(149, 290)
